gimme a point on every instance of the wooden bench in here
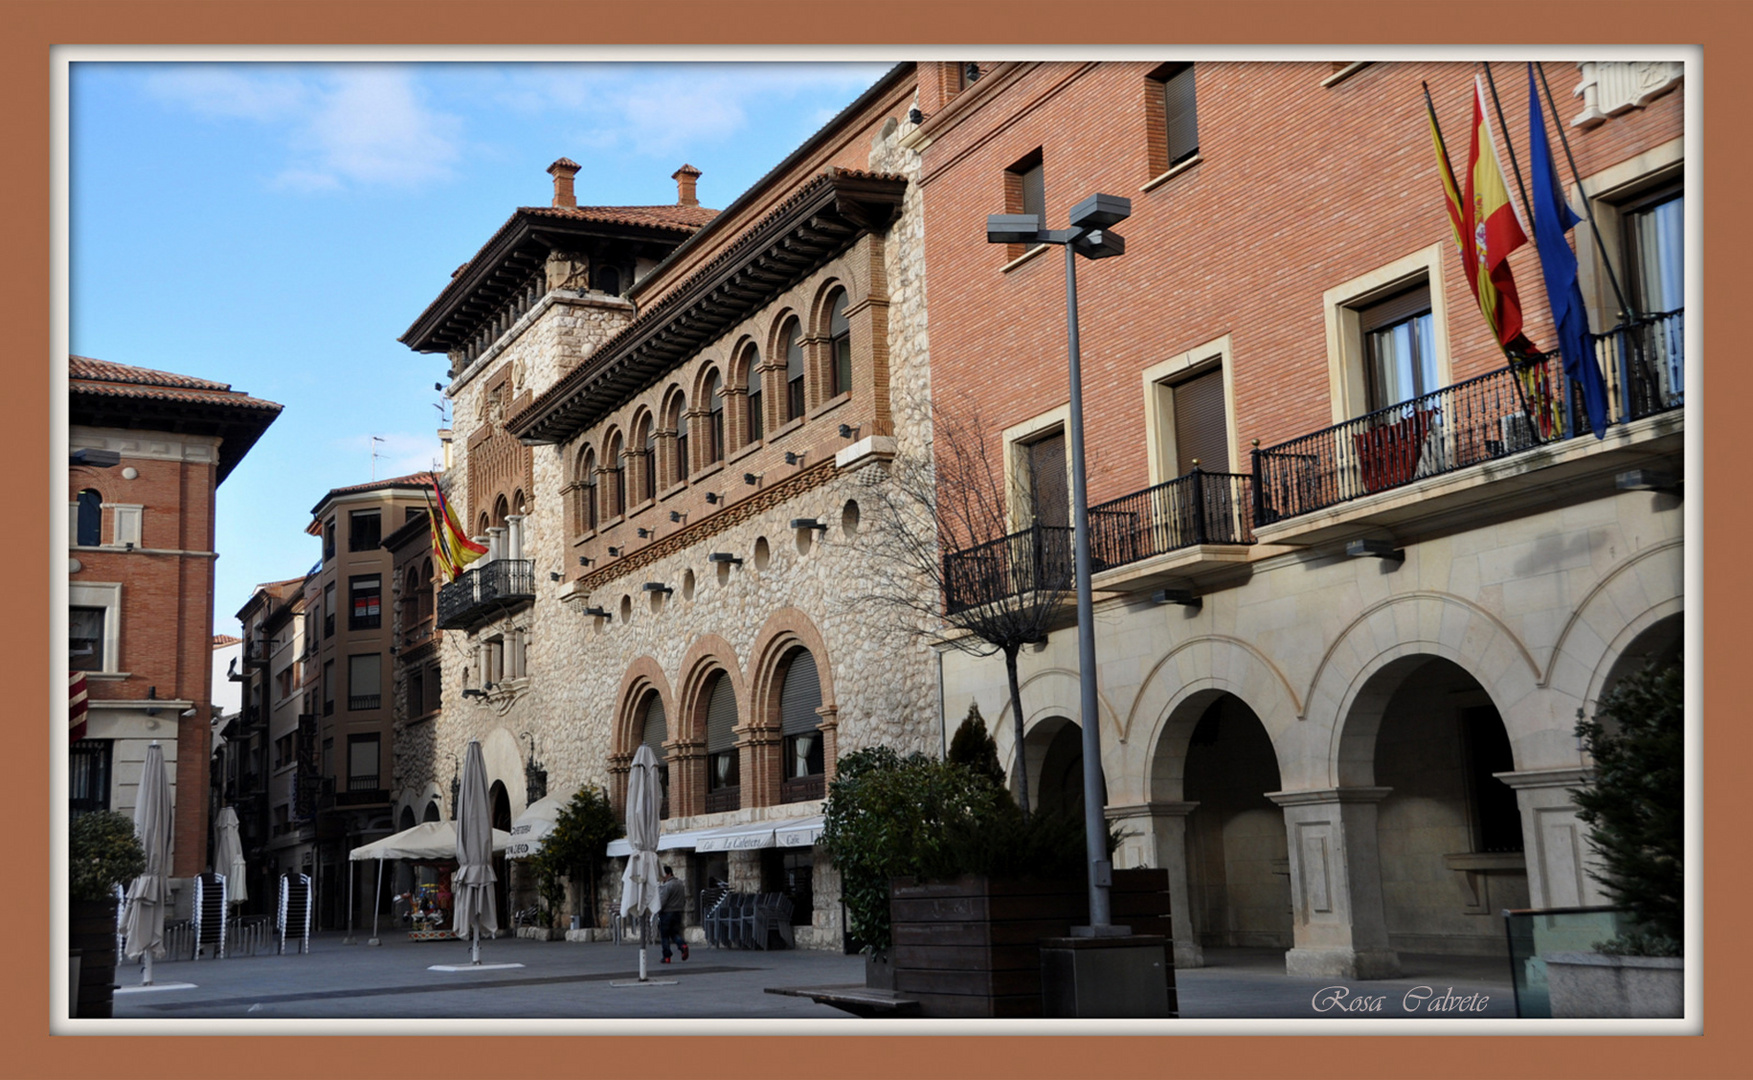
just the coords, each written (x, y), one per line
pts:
(855, 998)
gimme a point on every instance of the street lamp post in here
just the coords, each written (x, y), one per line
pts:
(1091, 237)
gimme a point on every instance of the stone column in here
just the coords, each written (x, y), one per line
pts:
(1165, 842)
(1336, 884)
(1558, 851)
(514, 536)
(830, 728)
(495, 543)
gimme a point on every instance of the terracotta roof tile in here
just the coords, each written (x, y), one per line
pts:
(220, 641)
(419, 479)
(84, 367)
(677, 217)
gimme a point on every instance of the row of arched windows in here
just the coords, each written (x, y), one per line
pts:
(735, 406)
(783, 759)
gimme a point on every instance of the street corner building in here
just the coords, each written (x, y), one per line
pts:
(665, 420)
(1359, 557)
(148, 451)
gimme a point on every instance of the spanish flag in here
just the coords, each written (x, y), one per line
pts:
(453, 549)
(1485, 223)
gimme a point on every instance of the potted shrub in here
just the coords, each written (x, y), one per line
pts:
(572, 851)
(945, 883)
(103, 852)
(1636, 813)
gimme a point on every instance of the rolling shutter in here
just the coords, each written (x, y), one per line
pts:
(800, 695)
(1200, 428)
(1182, 115)
(721, 716)
(654, 726)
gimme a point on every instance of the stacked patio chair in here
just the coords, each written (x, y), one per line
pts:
(209, 920)
(767, 914)
(293, 920)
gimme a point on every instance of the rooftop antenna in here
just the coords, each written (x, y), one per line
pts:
(375, 439)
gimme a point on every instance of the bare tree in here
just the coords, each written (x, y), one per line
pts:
(947, 563)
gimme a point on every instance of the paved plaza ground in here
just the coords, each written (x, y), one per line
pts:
(565, 981)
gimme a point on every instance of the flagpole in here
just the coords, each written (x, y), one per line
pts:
(1508, 143)
(1626, 312)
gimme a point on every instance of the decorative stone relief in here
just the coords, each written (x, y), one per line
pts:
(1609, 88)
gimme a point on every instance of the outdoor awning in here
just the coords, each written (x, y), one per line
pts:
(533, 826)
(431, 840)
(798, 832)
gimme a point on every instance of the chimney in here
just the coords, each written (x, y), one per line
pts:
(563, 171)
(684, 178)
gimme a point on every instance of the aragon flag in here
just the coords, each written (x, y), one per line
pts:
(1495, 228)
(452, 546)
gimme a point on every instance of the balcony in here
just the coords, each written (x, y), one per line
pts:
(255, 653)
(486, 593)
(1517, 422)
(1193, 514)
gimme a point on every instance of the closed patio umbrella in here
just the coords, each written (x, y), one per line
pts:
(143, 919)
(639, 882)
(228, 856)
(473, 882)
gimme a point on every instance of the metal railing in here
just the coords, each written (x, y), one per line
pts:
(1198, 508)
(501, 581)
(1645, 362)
(1039, 557)
(1481, 419)
(803, 788)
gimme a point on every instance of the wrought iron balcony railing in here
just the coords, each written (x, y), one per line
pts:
(1038, 558)
(485, 591)
(1645, 362)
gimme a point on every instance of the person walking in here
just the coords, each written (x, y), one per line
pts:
(672, 901)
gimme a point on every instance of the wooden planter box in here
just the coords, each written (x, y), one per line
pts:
(91, 928)
(970, 946)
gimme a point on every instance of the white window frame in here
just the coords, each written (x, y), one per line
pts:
(1608, 189)
(108, 596)
(1159, 408)
(1346, 379)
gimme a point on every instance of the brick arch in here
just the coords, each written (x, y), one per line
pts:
(642, 675)
(786, 630)
(817, 323)
(708, 655)
(736, 370)
(702, 371)
(775, 349)
(1046, 695)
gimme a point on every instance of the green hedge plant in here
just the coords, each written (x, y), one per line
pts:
(103, 852)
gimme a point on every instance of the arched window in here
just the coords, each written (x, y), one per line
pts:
(794, 401)
(88, 527)
(606, 279)
(800, 695)
(654, 735)
(679, 424)
(839, 344)
(723, 778)
(587, 491)
(426, 588)
(714, 419)
(615, 461)
(752, 379)
(501, 509)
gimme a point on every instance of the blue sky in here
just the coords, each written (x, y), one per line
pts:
(278, 226)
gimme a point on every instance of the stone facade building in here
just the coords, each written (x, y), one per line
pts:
(664, 440)
(1355, 579)
(149, 449)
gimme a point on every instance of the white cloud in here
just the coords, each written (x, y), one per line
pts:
(342, 125)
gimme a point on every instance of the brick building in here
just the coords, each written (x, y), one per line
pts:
(1336, 754)
(349, 657)
(150, 448)
(272, 673)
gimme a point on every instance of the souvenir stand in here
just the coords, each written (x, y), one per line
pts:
(432, 844)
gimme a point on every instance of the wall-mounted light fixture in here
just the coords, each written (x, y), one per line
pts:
(658, 587)
(849, 430)
(724, 557)
(615, 552)
(915, 117)
(644, 533)
(94, 458)
(585, 561)
(713, 498)
(677, 515)
(1647, 480)
(809, 523)
(753, 478)
(1375, 549)
(474, 692)
(555, 575)
(599, 613)
(794, 457)
(1183, 597)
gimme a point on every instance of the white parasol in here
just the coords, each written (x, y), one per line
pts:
(143, 920)
(639, 882)
(473, 882)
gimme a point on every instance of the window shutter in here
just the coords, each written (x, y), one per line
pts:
(800, 695)
(721, 716)
(654, 726)
(1200, 428)
(1394, 309)
(1181, 113)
